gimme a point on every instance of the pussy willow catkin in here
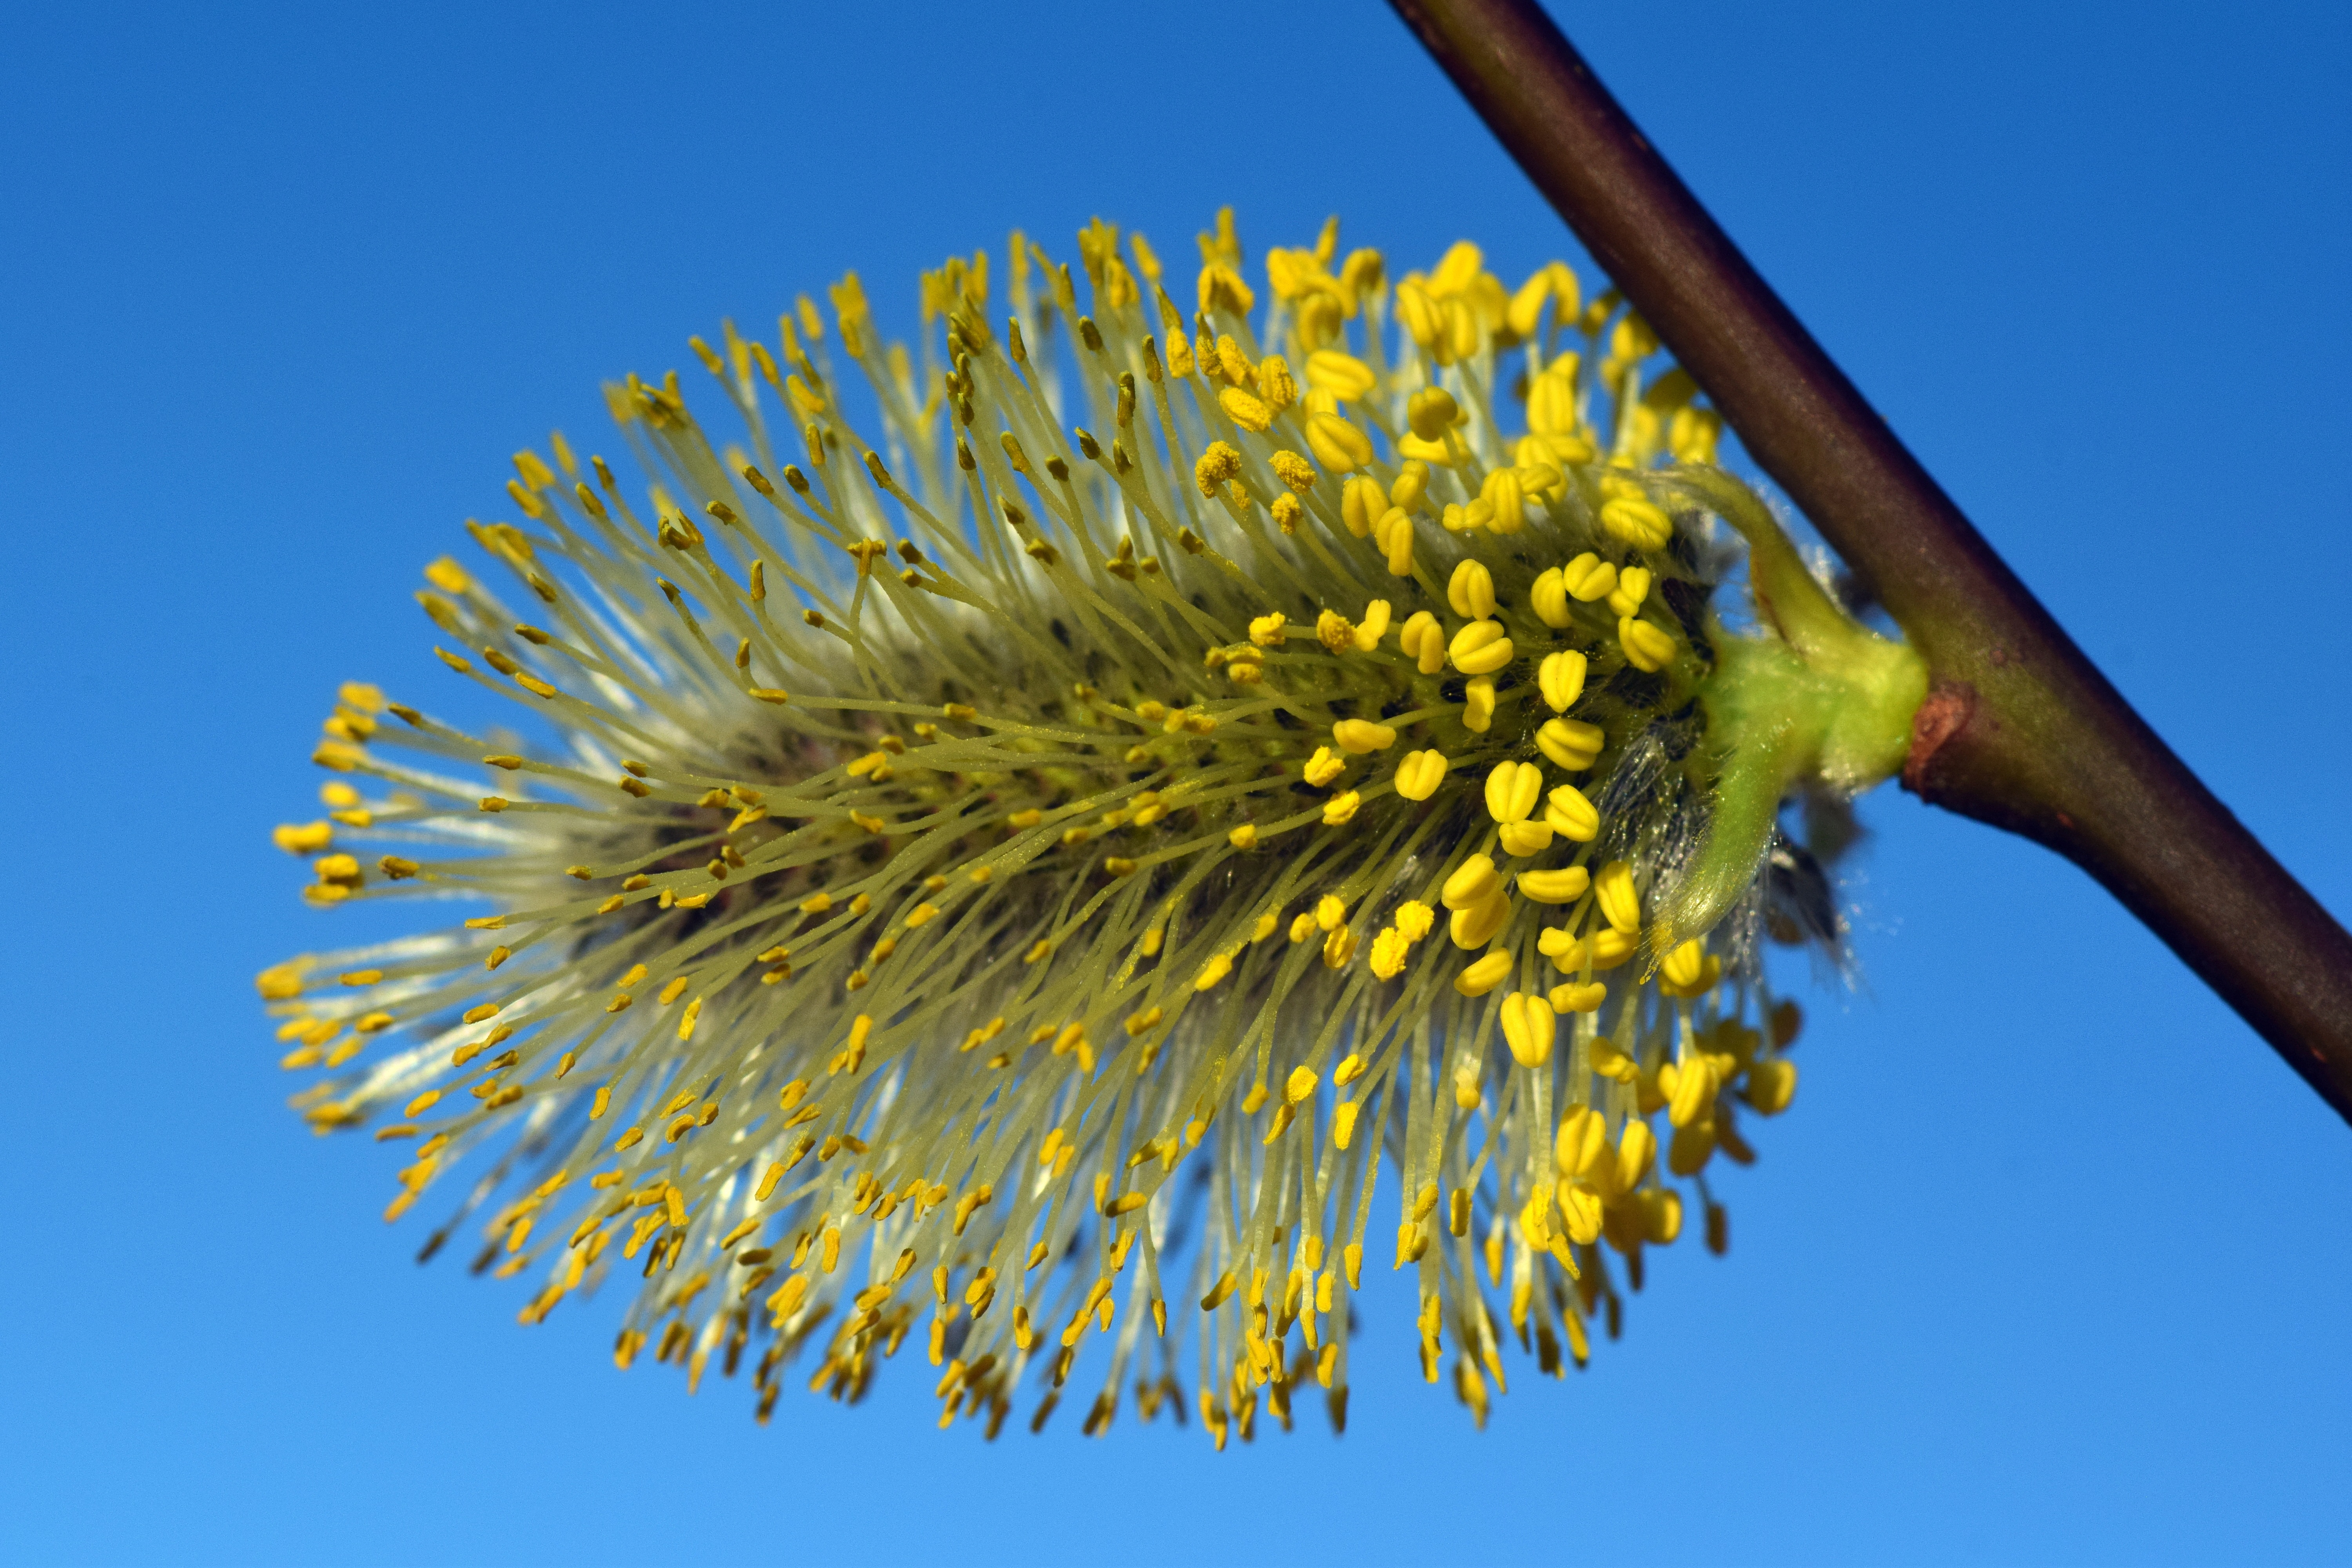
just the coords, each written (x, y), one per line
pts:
(1000, 881)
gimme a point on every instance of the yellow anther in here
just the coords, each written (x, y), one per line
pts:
(1340, 809)
(1244, 409)
(1539, 476)
(1636, 1150)
(1632, 339)
(1480, 649)
(1561, 679)
(1232, 364)
(1567, 953)
(1637, 522)
(1419, 774)
(1343, 375)
(1571, 743)
(1689, 970)
(1661, 1216)
(1589, 577)
(1394, 535)
(1581, 1141)
(1551, 399)
(1422, 639)
(1359, 736)
(1524, 838)
(1334, 631)
(1507, 495)
(1415, 919)
(1296, 472)
(1324, 766)
(1424, 318)
(1462, 332)
(1476, 926)
(1220, 463)
(1471, 591)
(1689, 1087)
(1343, 1128)
(1570, 814)
(1471, 883)
(1478, 705)
(1527, 1029)
(1548, 596)
(303, 838)
(1573, 997)
(1611, 947)
(1297, 274)
(1243, 837)
(1694, 433)
(1215, 970)
(1389, 950)
(1373, 626)
(1457, 271)
(1298, 1086)
(1362, 503)
(1337, 445)
(1566, 449)
(1483, 975)
(1646, 648)
(1524, 312)
(1275, 385)
(1302, 926)
(1431, 412)
(1561, 887)
(1269, 631)
(1632, 588)
(1772, 1085)
(1512, 791)
(1620, 904)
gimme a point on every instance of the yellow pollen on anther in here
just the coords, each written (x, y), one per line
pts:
(1620, 905)
(1513, 790)
(1471, 591)
(1561, 679)
(1480, 649)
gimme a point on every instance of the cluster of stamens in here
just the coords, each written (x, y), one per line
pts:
(990, 881)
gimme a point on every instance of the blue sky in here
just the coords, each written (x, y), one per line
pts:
(2049, 1262)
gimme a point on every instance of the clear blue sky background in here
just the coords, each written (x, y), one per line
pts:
(2051, 1262)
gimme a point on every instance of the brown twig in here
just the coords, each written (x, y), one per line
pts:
(2020, 730)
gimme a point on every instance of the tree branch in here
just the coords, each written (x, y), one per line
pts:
(2020, 729)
